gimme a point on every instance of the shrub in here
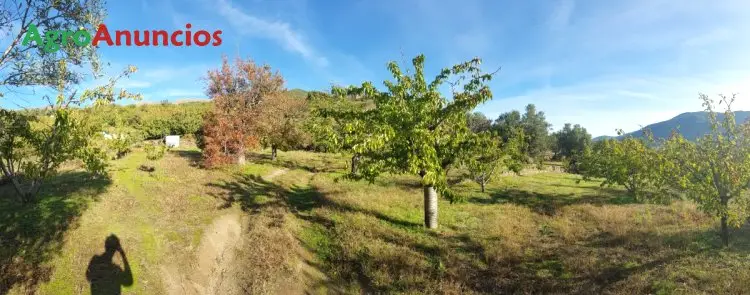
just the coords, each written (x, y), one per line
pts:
(155, 151)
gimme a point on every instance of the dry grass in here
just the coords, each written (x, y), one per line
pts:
(307, 230)
(540, 233)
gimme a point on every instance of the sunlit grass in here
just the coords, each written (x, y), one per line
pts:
(542, 232)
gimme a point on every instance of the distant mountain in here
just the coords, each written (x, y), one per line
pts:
(603, 137)
(297, 93)
(691, 125)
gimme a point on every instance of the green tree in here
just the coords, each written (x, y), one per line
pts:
(536, 130)
(489, 156)
(478, 122)
(32, 149)
(281, 122)
(571, 140)
(507, 125)
(29, 64)
(629, 162)
(714, 171)
(569, 144)
(415, 129)
(339, 123)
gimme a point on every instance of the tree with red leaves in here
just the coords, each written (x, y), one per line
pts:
(237, 92)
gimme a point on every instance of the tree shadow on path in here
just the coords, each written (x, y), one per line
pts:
(550, 203)
(31, 234)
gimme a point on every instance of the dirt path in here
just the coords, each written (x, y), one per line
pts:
(214, 258)
(216, 263)
(275, 174)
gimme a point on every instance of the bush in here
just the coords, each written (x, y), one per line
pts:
(155, 151)
(154, 121)
(120, 141)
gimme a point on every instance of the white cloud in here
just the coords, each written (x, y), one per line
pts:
(620, 102)
(630, 64)
(278, 31)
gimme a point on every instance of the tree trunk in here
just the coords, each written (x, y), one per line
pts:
(724, 230)
(273, 153)
(482, 184)
(430, 207)
(355, 161)
(19, 189)
(241, 159)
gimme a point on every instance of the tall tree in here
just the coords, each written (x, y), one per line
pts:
(714, 171)
(570, 143)
(31, 65)
(507, 125)
(536, 129)
(237, 91)
(415, 129)
(478, 122)
(534, 126)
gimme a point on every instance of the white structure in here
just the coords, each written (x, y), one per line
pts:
(172, 141)
(113, 135)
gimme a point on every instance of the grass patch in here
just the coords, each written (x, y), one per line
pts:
(305, 229)
(540, 233)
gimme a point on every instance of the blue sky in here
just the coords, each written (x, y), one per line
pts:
(603, 64)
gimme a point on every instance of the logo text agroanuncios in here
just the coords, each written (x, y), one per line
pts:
(52, 40)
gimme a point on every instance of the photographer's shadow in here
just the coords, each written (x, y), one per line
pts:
(106, 277)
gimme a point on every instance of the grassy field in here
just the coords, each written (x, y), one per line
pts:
(293, 226)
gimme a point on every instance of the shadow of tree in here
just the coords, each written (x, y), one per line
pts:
(193, 157)
(33, 233)
(386, 254)
(549, 203)
(312, 165)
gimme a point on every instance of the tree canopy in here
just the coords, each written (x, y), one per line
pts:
(534, 126)
(30, 65)
(415, 129)
(232, 126)
(714, 171)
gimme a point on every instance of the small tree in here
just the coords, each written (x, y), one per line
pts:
(415, 129)
(31, 149)
(629, 162)
(280, 123)
(714, 171)
(154, 151)
(231, 127)
(490, 157)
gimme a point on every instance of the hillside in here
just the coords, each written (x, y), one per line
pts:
(291, 226)
(691, 125)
